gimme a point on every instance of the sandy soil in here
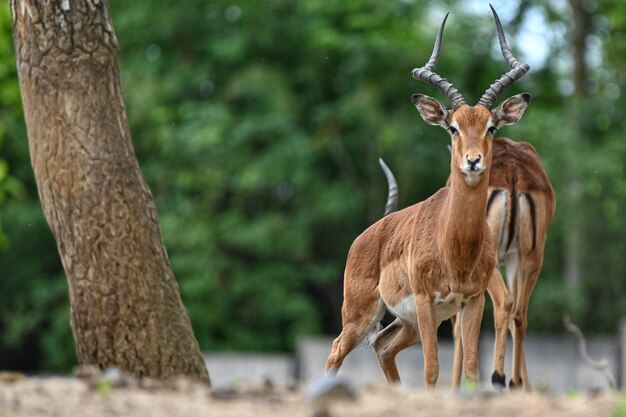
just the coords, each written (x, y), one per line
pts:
(60, 397)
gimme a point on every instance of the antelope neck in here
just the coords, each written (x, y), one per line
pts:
(462, 221)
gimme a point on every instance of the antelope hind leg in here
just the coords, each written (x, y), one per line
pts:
(390, 341)
(356, 326)
(502, 305)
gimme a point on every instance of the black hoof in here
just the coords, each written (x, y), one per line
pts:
(515, 385)
(498, 380)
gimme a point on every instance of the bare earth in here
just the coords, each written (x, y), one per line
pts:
(60, 396)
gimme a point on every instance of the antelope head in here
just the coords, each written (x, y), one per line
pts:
(471, 128)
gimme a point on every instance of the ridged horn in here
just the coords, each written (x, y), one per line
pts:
(517, 71)
(427, 75)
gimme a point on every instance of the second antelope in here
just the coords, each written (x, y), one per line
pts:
(428, 261)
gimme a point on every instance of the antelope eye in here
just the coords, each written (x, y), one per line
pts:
(492, 130)
(452, 130)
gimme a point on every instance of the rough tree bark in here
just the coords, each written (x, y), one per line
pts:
(126, 308)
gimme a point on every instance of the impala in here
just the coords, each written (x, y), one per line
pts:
(520, 208)
(428, 261)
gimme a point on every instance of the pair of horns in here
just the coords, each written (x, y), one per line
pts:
(518, 69)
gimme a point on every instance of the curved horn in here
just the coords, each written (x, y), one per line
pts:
(426, 73)
(517, 71)
(392, 196)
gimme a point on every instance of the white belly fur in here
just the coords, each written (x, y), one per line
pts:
(445, 307)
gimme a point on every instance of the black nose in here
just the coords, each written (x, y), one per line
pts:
(472, 162)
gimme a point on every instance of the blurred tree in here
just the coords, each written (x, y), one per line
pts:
(572, 196)
(126, 308)
(10, 187)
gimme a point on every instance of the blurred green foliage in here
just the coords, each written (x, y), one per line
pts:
(258, 127)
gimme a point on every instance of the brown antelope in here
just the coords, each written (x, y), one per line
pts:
(520, 207)
(428, 261)
(520, 232)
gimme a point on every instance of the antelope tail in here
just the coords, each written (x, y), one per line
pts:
(392, 196)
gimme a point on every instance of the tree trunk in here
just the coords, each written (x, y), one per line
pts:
(575, 234)
(126, 308)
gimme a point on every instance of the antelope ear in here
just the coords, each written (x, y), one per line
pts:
(431, 110)
(511, 110)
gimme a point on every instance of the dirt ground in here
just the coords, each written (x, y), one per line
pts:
(64, 396)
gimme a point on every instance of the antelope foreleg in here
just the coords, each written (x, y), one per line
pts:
(427, 324)
(471, 318)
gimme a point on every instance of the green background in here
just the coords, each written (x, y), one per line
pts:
(258, 126)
